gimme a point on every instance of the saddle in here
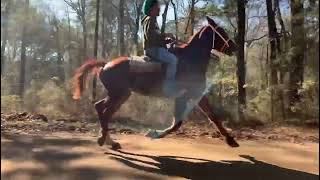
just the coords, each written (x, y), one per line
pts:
(144, 64)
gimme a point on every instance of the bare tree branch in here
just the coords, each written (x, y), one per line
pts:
(250, 41)
(257, 17)
(233, 26)
(71, 4)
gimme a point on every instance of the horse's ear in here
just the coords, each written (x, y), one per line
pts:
(210, 21)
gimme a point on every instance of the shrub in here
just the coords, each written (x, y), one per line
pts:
(10, 103)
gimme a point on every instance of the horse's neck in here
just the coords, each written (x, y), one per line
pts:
(192, 54)
(192, 58)
(195, 55)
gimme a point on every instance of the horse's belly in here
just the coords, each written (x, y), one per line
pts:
(149, 84)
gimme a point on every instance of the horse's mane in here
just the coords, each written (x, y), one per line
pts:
(184, 45)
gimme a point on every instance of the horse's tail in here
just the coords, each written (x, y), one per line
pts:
(81, 73)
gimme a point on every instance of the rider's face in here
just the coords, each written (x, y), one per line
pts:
(155, 11)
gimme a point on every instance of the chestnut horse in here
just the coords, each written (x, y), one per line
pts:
(191, 75)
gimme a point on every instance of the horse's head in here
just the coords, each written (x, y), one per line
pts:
(214, 37)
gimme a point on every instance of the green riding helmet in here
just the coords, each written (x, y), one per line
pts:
(147, 5)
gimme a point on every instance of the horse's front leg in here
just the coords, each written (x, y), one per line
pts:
(179, 117)
(206, 108)
(174, 127)
(162, 133)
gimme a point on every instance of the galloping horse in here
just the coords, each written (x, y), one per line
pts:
(119, 81)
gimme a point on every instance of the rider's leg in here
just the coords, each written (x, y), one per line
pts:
(170, 87)
(163, 55)
(171, 60)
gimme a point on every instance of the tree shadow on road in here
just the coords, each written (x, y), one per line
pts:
(209, 170)
(54, 154)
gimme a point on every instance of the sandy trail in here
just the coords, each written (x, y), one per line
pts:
(73, 156)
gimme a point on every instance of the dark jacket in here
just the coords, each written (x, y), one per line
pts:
(151, 33)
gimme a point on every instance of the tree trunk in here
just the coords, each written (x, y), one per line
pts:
(283, 33)
(5, 34)
(84, 34)
(60, 65)
(280, 51)
(56, 32)
(220, 94)
(191, 19)
(297, 43)
(283, 28)
(84, 29)
(241, 69)
(23, 52)
(121, 27)
(192, 16)
(103, 30)
(267, 66)
(273, 53)
(96, 30)
(14, 53)
(164, 16)
(69, 26)
(246, 50)
(262, 86)
(137, 26)
(77, 33)
(96, 33)
(175, 18)
(69, 65)
(272, 38)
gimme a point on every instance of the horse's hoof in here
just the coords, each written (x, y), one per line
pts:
(115, 146)
(153, 134)
(231, 142)
(101, 141)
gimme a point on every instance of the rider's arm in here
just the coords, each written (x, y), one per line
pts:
(154, 33)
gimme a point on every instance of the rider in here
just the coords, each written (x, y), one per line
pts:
(155, 46)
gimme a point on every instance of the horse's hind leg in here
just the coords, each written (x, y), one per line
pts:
(100, 106)
(206, 108)
(111, 105)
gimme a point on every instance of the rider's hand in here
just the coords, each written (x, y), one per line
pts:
(169, 40)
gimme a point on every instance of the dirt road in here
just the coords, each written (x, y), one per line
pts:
(70, 156)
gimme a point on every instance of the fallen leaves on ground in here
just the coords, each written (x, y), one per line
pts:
(38, 123)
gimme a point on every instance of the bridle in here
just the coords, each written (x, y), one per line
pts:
(226, 42)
